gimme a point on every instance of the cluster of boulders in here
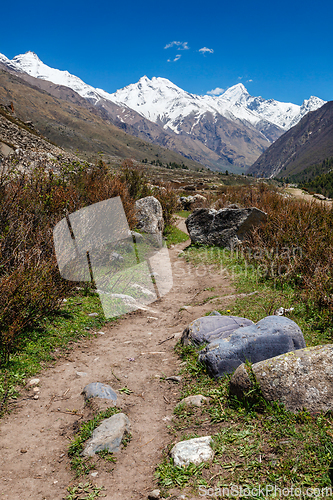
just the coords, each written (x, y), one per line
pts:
(270, 354)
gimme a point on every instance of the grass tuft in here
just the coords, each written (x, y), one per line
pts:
(82, 465)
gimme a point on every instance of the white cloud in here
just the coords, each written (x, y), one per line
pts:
(205, 50)
(178, 56)
(217, 91)
(179, 45)
(249, 81)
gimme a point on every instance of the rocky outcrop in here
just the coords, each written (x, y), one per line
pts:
(191, 202)
(301, 379)
(26, 149)
(271, 336)
(225, 228)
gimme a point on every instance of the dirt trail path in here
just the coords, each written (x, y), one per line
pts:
(34, 438)
(302, 195)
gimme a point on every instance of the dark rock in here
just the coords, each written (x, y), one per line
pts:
(99, 390)
(301, 379)
(225, 228)
(211, 328)
(272, 336)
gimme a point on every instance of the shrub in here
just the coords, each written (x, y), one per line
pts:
(30, 207)
(169, 201)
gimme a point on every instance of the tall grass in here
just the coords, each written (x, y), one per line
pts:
(296, 243)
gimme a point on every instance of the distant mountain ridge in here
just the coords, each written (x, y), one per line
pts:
(229, 131)
(65, 118)
(306, 144)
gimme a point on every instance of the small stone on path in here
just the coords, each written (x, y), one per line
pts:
(99, 390)
(154, 495)
(81, 374)
(34, 381)
(174, 378)
(108, 435)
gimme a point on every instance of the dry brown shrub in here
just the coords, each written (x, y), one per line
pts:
(30, 207)
(296, 243)
(169, 201)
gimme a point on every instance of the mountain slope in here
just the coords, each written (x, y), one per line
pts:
(73, 123)
(307, 143)
(226, 131)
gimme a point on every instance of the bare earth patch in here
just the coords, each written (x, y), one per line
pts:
(35, 436)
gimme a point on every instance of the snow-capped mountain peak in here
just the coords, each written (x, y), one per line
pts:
(3, 59)
(31, 64)
(235, 93)
(161, 101)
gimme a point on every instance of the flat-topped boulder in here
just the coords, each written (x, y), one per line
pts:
(211, 328)
(271, 336)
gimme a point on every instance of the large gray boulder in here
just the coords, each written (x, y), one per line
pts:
(225, 228)
(301, 379)
(211, 328)
(108, 435)
(149, 215)
(270, 337)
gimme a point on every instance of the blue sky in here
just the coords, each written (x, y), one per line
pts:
(278, 50)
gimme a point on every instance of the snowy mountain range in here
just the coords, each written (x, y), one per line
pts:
(226, 131)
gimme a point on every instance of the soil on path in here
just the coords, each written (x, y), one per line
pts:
(302, 195)
(34, 438)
